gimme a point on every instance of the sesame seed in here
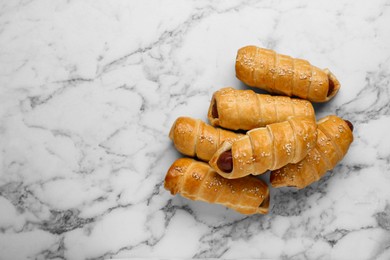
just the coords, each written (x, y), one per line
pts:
(287, 147)
(179, 169)
(196, 176)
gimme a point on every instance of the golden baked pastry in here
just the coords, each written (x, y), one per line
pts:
(244, 109)
(334, 136)
(266, 148)
(193, 137)
(282, 74)
(197, 181)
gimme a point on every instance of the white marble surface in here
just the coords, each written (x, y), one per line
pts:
(89, 90)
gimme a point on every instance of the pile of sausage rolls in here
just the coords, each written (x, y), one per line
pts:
(250, 134)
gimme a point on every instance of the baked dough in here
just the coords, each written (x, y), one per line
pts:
(267, 148)
(334, 136)
(193, 137)
(244, 109)
(281, 74)
(197, 181)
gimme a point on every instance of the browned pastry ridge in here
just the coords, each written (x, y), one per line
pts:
(193, 137)
(198, 181)
(282, 74)
(334, 136)
(244, 109)
(266, 148)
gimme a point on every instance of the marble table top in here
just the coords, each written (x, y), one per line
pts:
(89, 90)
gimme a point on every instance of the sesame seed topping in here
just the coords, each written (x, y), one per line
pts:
(179, 169)
(196, 176)
(287, 147)
(264, 154)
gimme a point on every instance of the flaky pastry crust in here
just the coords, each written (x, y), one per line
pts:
(198, 181)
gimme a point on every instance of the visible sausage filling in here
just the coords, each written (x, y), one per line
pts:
(214, 111)
(330, 87)
(265, 201)
(225, 162)
(349, 124)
